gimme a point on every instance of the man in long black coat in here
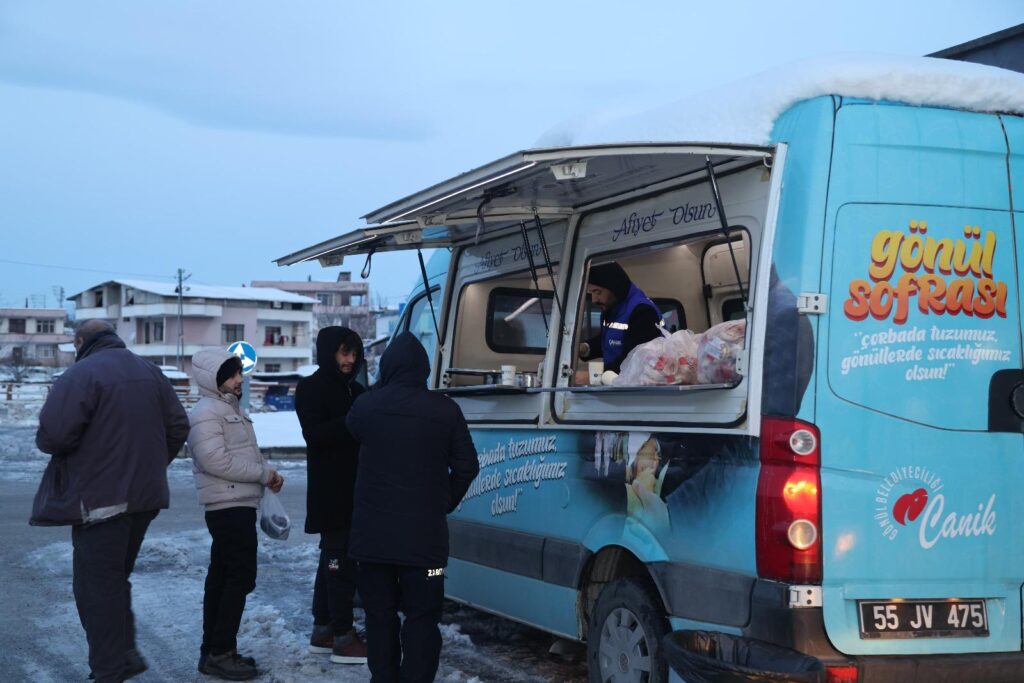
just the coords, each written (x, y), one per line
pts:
(322, 402)
(416, 462)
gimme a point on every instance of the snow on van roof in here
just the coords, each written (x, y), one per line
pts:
(745, 111)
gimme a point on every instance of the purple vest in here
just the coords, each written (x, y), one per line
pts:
(615, 323)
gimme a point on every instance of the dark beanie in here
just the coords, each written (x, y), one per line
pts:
(228, 369)
(612, 277)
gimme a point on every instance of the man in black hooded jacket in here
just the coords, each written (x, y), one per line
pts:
(322, 402)
(416, 462)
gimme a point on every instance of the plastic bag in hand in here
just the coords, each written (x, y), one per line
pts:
(669, 359)
(273, 519)
(717, 351)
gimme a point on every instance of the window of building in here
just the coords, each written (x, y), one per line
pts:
(99, 298)
(272, 336)
(272, 367)
(46, 351)
(145, 333)
(46, 326)
(158, 332)
(232, 333)
(515, 322)
(325, 299)
(16, 326)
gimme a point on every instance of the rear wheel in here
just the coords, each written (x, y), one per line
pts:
(624, 636)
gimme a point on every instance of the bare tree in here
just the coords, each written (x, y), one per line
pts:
(15, 365)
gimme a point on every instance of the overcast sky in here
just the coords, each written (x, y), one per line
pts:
(140, 137)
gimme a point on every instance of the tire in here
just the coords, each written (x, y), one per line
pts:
(624, 635)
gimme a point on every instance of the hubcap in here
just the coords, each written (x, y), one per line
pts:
(624, 655)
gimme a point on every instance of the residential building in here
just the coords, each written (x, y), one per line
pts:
(31, 336)
(342, 302)
(146, 314)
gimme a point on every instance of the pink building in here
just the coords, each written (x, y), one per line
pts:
(146, 315)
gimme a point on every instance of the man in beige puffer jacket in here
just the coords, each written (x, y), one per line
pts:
(230, 474)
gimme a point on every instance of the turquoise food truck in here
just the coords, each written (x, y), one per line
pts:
(847, 488)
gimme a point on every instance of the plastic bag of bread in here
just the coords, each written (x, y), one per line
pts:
(669, 359)
(717, 351)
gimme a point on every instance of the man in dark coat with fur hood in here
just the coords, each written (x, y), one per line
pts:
(322, 402)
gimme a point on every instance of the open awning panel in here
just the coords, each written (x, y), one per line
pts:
(549, 183)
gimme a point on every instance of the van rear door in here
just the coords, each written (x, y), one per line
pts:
(921, 449)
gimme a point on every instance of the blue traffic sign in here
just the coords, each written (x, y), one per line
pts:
(246, 353)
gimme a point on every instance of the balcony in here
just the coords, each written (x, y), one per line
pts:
(171, 309)
(284, 315)
(341, 310)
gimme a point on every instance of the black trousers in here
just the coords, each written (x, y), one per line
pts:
(335, 583)
(408, 652)
(231, 576)
(103, 560)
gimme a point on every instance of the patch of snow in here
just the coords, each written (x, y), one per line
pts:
(278, 430)
(745, 111)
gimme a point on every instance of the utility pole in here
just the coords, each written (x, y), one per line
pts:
(180, 289)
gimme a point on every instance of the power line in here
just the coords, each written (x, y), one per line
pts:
(86, 270)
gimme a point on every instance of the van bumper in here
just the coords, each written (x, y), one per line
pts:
(803, 629)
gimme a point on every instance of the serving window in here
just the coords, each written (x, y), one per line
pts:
(675, 278)
(689, 367)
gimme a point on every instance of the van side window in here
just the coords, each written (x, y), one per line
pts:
(733, 309)
(421, 323)
(515, 320)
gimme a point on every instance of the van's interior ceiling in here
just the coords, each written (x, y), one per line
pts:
(551, 183)
(531, 179)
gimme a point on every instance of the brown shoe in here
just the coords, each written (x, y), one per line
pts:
(322, 640)
(349, 649)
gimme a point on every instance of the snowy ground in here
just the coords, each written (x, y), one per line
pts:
(44, 642)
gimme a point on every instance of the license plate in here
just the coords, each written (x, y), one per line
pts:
(922, 618)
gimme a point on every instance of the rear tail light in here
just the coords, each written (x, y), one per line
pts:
(841, 674)
(789, 502)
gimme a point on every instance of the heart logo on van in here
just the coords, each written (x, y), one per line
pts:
(909, 506)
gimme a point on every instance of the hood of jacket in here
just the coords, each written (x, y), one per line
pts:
(327, 342)
(205, 365)
(404, 362)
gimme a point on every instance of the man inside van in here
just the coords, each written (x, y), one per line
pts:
(628, 317)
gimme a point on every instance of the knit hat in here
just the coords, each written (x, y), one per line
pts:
(228, 369)
(612, 277)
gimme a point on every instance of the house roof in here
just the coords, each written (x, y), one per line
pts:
(33, 313)
(197, 291)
